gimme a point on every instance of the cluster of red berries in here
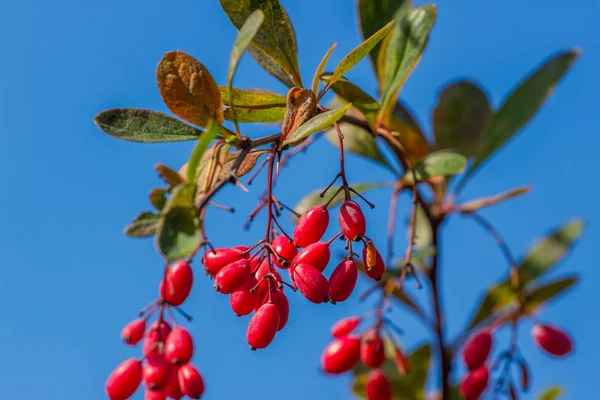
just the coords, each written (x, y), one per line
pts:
(550, 338)
(165, 365)
(255, 286)
(348, 349)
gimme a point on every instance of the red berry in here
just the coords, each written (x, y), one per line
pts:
(263, 326)
(478, 349)
(280, 300)
(474, 384)
(372, 350)
(341, 355)
(242, 248)
(134, 331)
(379, 268)
(179, 346)
(157, 333)
(172, 389)
(179, 283)
(156, 372)
(285, 248)
(262, 271)
(190, 381)
(316, 254)
(216, 259)
(343, 280)
(352, 220)
(344, 326)
(552, 339)
(378, 386)
(155, 395)
(232, 276)
(311, 283)
(311, 226)
(124, 380)
(243, 302)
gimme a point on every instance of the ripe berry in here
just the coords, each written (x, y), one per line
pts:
(474, 384)
(343, 280)
(134, 331)
(124, 380)
(378, 386)
(231, 277)
(280, 300)
(316, 254)
(352, 220)
(262, 271)
(341, 355)
(344, 326)
(155, 395)
(311, 226)
(372, 350)
(477, 349)
(157, 334)
(552, 339)
(190, 381)
(172, 389)
(156, 372)
(179, 283)
(242, 248)
(179, 346)
(311, 283)
(263, 326)
(216, 259)
(379, 268)
(243, 302)
(285, 248)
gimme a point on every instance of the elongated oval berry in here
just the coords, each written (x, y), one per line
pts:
(156, 372)
(316, 254)
(552, 339)
(156, 336)
(262, 271)
(179, 346)
(343, 280)
(243, 302)
(352, 220)
(341, 355)
(124, 380)
(344, 326)
(474, 384)
(281, 301)
(372, 350)
(378, 386)
(263, 326)
(231, 277)
(311, 227)
(180, 279)
(311, 283)
(242, 248)
(285, 248)
(379, 268)
(155, 395)
(477, 349)
(172, 389)
(190, 381)
(134, 331)
(216, 259)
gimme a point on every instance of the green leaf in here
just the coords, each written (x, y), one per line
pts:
(212, 131)
(549, 250)
(321, 67)
(423, 230)
(478, 204)
(522, 104)
(315, 124)
(497, 297)
(540, 294)
(313, 198)
(256, 114)
(178, 227)
(400, 53)
(375, 14)
(461, 117)
(245, 35)
(249, 98)
(138, 125)
(144, 225)
(274, 46)
(551, 393)
(440, 163)
(420, 255)
(355, 95)
(356, 55)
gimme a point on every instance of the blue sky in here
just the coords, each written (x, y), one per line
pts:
(71, 279)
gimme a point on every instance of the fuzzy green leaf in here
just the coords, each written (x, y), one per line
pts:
(478, 204)
(315, 124)
(212, 130)
(252, 97)
(321, 68)
(178, 227)
(144, 225)
(496, 297)
(440, 163)
(138, 125)
(551, 393)
(256, 114)
(355, 95)
(538, 295)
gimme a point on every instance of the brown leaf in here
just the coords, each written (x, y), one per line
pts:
(246, 166)
(188, 89)
(300, 107)
(158, 198)
(474, 205)
(411, 139)
(169, 176)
